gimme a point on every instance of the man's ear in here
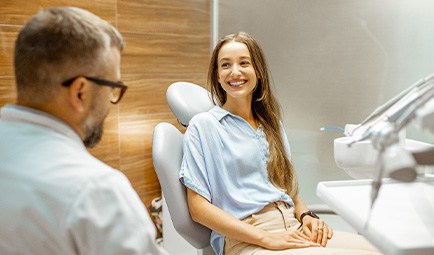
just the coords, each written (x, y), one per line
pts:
(79, 94)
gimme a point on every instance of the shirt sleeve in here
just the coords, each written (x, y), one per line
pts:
(193, 173)
(108, 217)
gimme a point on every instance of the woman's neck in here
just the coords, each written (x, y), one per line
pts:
(242, 109)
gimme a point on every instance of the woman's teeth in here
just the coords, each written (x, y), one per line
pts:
(238, 83)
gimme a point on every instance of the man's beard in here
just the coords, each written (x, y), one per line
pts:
(93, 134)
(93, 126)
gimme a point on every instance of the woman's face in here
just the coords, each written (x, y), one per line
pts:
(236, 73)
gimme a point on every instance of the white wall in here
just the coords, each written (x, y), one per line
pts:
(334, 62)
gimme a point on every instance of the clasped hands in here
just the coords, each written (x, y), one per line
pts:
(317, 230)
(313, 233)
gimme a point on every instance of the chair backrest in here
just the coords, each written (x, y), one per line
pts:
(185, 100)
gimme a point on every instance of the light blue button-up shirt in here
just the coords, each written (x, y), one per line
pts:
(225, 161)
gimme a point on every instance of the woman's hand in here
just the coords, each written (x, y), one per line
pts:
(317, 230)
(207, 214)
(286, 240)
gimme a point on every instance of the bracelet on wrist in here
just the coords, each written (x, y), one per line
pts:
(307, 213)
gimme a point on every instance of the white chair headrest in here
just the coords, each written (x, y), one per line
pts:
(187, 99)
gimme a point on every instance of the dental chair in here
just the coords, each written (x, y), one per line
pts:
(185, 100)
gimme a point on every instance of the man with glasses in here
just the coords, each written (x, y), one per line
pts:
(55, 197)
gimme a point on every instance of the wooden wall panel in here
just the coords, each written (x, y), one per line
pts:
(166, 41)
(17, 12)
(7, 41)
(190, 18)
(164, 54)
(7, 90)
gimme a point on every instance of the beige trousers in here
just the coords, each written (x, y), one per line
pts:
(279, 216)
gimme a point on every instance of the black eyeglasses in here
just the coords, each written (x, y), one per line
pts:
(118, 88)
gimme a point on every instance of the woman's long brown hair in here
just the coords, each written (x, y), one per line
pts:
(265, 108)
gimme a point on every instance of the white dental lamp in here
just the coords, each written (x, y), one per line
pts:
(376, 143)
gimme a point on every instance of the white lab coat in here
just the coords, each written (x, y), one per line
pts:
(56, 198)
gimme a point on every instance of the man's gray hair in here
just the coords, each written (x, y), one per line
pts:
(57, 44)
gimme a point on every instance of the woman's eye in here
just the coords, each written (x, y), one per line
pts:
(245, 63)
(225, 65)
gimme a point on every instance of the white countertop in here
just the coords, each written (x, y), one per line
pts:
(401, 221)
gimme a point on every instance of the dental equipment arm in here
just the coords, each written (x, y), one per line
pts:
(386, 106)
(382, 129)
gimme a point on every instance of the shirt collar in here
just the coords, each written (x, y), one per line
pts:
(17, 113)
(219, 112)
